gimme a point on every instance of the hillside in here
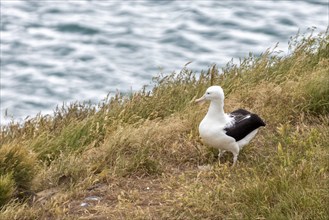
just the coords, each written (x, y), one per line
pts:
(140, 156)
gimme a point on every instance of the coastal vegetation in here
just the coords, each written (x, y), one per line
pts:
(139, 155)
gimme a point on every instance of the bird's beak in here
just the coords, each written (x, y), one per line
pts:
(200, 100)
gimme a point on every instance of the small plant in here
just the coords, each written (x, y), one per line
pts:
(20, 163)
(7, 188)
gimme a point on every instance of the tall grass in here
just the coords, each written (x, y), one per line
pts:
(142, 152)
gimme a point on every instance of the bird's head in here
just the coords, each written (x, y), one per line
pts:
(213, 93)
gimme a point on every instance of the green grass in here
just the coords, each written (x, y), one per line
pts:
(142, 155)
(6, 188)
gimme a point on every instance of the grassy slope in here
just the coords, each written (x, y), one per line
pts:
(142, 155)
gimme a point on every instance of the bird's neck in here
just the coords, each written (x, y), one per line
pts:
(216, 111)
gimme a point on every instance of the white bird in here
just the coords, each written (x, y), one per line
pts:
(226, 132)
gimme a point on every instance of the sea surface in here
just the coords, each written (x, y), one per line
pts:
(62, 51)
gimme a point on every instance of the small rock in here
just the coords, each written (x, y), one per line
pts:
(93, 198)
(205, 167)
(84, 204)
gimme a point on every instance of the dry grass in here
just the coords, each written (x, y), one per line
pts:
(140, 156)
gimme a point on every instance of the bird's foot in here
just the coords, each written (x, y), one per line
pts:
(220, 153)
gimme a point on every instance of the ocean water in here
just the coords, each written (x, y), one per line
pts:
(57, 51)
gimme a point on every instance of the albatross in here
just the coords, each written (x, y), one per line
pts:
(227, 132)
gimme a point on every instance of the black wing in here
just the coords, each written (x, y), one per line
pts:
(241, 112)
(244, 123)
(239, 115)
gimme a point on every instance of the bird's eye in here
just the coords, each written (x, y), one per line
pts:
(208, 93)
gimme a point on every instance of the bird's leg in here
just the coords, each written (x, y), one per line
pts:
(235, 158)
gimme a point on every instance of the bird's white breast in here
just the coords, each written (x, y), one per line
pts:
(213, 133)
